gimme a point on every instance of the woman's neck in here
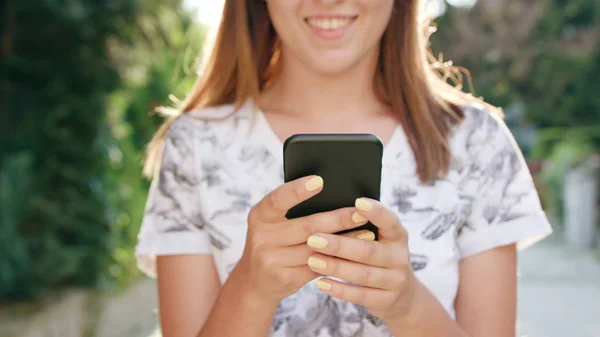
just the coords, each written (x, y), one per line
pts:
(312, 95)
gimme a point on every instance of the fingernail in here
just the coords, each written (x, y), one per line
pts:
(368, 236)
(316, 263)
(317, 242)
(357, 218)
(313, 184)
(363, 204)
(323, 285)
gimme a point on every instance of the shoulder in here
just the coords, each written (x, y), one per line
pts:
(211, 120)
(213, 124)
(481, 125)
(482, 137)
(480, 121)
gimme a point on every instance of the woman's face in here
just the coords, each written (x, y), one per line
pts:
(330, 36)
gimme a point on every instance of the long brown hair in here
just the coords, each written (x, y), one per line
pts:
(409, 80)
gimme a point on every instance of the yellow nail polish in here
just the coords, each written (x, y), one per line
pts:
(363, 205)
(368, 236)
(317, 242)
(316, 263)
(323, 285)
(357, 218)
(313, 184)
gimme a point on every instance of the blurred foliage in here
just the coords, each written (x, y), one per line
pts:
(541, 54)
(157, 70)
(70, 188)
(570, 152)
(55, 73)
(16, 190)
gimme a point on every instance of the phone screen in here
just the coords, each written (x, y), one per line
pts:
(350, 165)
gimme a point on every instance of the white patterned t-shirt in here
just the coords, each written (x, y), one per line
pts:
(213, 172)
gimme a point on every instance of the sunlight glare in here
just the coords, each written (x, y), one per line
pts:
(207, 11)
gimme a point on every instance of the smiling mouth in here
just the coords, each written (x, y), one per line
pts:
(330, 23)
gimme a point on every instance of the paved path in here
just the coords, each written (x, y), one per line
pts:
(559, 292)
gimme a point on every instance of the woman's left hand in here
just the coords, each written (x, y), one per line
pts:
(381, 269)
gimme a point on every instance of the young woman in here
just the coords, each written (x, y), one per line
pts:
(456, 194)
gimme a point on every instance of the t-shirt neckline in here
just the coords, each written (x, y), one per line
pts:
(275, 144)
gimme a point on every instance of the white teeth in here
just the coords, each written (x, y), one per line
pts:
(329, 24)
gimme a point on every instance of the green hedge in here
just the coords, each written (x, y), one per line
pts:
(79, 81)
(55, 72)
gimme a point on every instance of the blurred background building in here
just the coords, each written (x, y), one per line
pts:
(79, 81)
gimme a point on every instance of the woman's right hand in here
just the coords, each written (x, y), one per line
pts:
(274, 264)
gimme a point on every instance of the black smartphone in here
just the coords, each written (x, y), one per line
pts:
(350, 165)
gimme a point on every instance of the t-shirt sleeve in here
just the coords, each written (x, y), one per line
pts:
(173, 221)
(506, 208)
